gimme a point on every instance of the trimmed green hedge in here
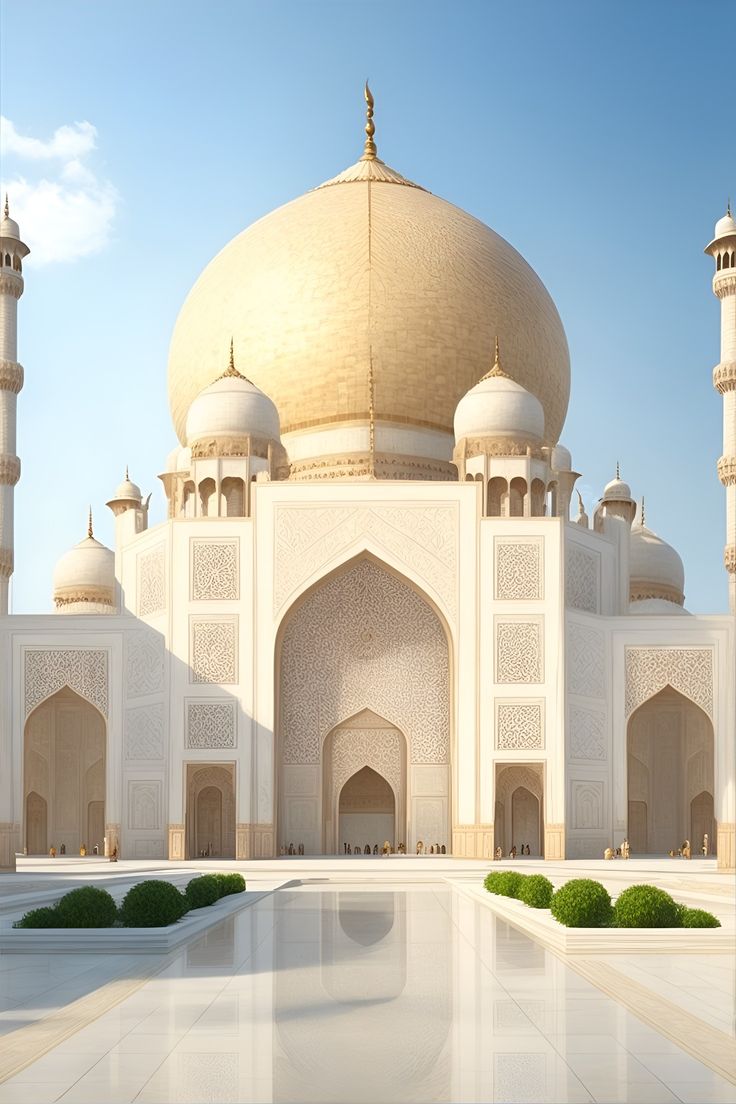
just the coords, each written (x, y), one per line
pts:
(504, 882)
(230, 883)
(40, 918)
(536, 891)
(87, 907)
(152, 904)
(582, 903)
(646, 906)
(203, 891)
(697, 918)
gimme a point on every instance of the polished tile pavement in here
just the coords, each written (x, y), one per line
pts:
(347, 992)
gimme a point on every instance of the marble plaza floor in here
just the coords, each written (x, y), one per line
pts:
(370, 981)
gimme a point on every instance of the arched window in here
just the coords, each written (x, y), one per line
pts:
(718, 263)
(538, 493)
(187, 499)
(497, 489)
(233, 493)
(726, 261)
(517, 493)
(7, 259)
(733, 259)
(208, 498)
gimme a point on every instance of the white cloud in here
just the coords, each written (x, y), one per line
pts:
(69, 211)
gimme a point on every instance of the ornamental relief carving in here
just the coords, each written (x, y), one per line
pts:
(518, 569)
(9, 469)
(11, 376)
(144, 732)
(151, 581)
(586, 661)
(144, 666)
(214, 651)
(519, 650)
(355, 748)
(687, 670)
(83, 670)
(211, 725)
(582, 578)
(145, 805)
(364, 640)
(215, 573)
(587, 734)
(588, 805)
(519, 726)
(422, 537)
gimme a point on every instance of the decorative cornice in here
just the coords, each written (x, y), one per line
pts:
(9, 469)
(11, 283)
(729, 558)
(727, 470)
(6, 562)
(642, 591)
(500, 446)
(724, 376)
(365, 466)
(724, 283)
(66, 596)
(11, 376)
(230, 446)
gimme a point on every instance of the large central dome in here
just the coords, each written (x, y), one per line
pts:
(369, 290)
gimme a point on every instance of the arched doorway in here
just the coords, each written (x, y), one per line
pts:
(519, 812)
(366, 645)
(366, 811)
(670, 775)
(210, 815)
(64, 775)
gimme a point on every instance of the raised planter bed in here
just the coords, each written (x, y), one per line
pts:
(124, 940)
(542, 926)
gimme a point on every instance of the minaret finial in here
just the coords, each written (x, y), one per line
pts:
(231, 370)
(496, 371)
(90, 532)
(728, 205)
(642, 515)
(6, 209)
(618, 470)
(127, 477)
(231, 364)
(369, 149)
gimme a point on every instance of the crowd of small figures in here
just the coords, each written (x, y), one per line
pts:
(385, 849)
(525, 850)
(113, 856)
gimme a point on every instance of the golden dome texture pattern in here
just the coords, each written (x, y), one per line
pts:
(369, 268)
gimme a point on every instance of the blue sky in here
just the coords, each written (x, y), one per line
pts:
(594, 136)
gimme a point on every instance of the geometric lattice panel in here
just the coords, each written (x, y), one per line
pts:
(211, 725)
(214, 570)
(518, 569)
(519, 725)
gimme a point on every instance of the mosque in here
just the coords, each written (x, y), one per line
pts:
(377, 609)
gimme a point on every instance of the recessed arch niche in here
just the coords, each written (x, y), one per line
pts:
(670, 775)
(363, 645)
(64, 752)
(519, 807)
(210, 810)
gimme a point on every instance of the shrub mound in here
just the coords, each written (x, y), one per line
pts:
(646, 906)
(230, 883)
(86, 907)
(697, 918)
(202, 891)
(152, 904)
(536, 891)
(582, 903)
(40, 918)
(504, 882)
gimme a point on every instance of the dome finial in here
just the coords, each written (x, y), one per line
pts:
(496, 371)
(90, 532)
(231, 371)
(618, 470)
(728, 205)
(126, 472)
(369, 149)
(641, 516)
(6, 209)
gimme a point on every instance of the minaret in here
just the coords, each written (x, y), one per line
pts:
(723, 251)
(12, 252)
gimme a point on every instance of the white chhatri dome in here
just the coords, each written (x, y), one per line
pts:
(655, 569)
(725, 226)
(499, 407)
(84, 578)
(128, 489)
(232, 407)
(617, 490)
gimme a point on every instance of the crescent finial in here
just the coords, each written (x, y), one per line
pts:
(369, 149)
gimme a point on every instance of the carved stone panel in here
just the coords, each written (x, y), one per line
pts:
(364, 640)
(211, 724)
(588, 804)
(83, 670)
(519, 569)
(687, 670)
(214, 648)
(145, 805)
(582, 578)
(586, 661)
(144, 662)
(423, 537)
(215, 570)
(144, 732)
(151, 581)
(519, 725)
(587, 734)
(519, 650)
(354, 748)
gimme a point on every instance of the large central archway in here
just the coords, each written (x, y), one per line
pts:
(363, 649)
(670, 775)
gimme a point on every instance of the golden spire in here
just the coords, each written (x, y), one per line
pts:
(231, 371)
(496, 371)
(369, 149)
(90, 533)
(371, 417)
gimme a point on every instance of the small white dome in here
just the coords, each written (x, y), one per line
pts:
(616, 491)
(725, 226)
(128, 489)
(9, 228)
(561, 458)
(232, 406)
(655, 568)
(86, 573)
(499, 407)
(184, 459)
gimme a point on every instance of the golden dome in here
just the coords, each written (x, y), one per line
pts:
(370, 270)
